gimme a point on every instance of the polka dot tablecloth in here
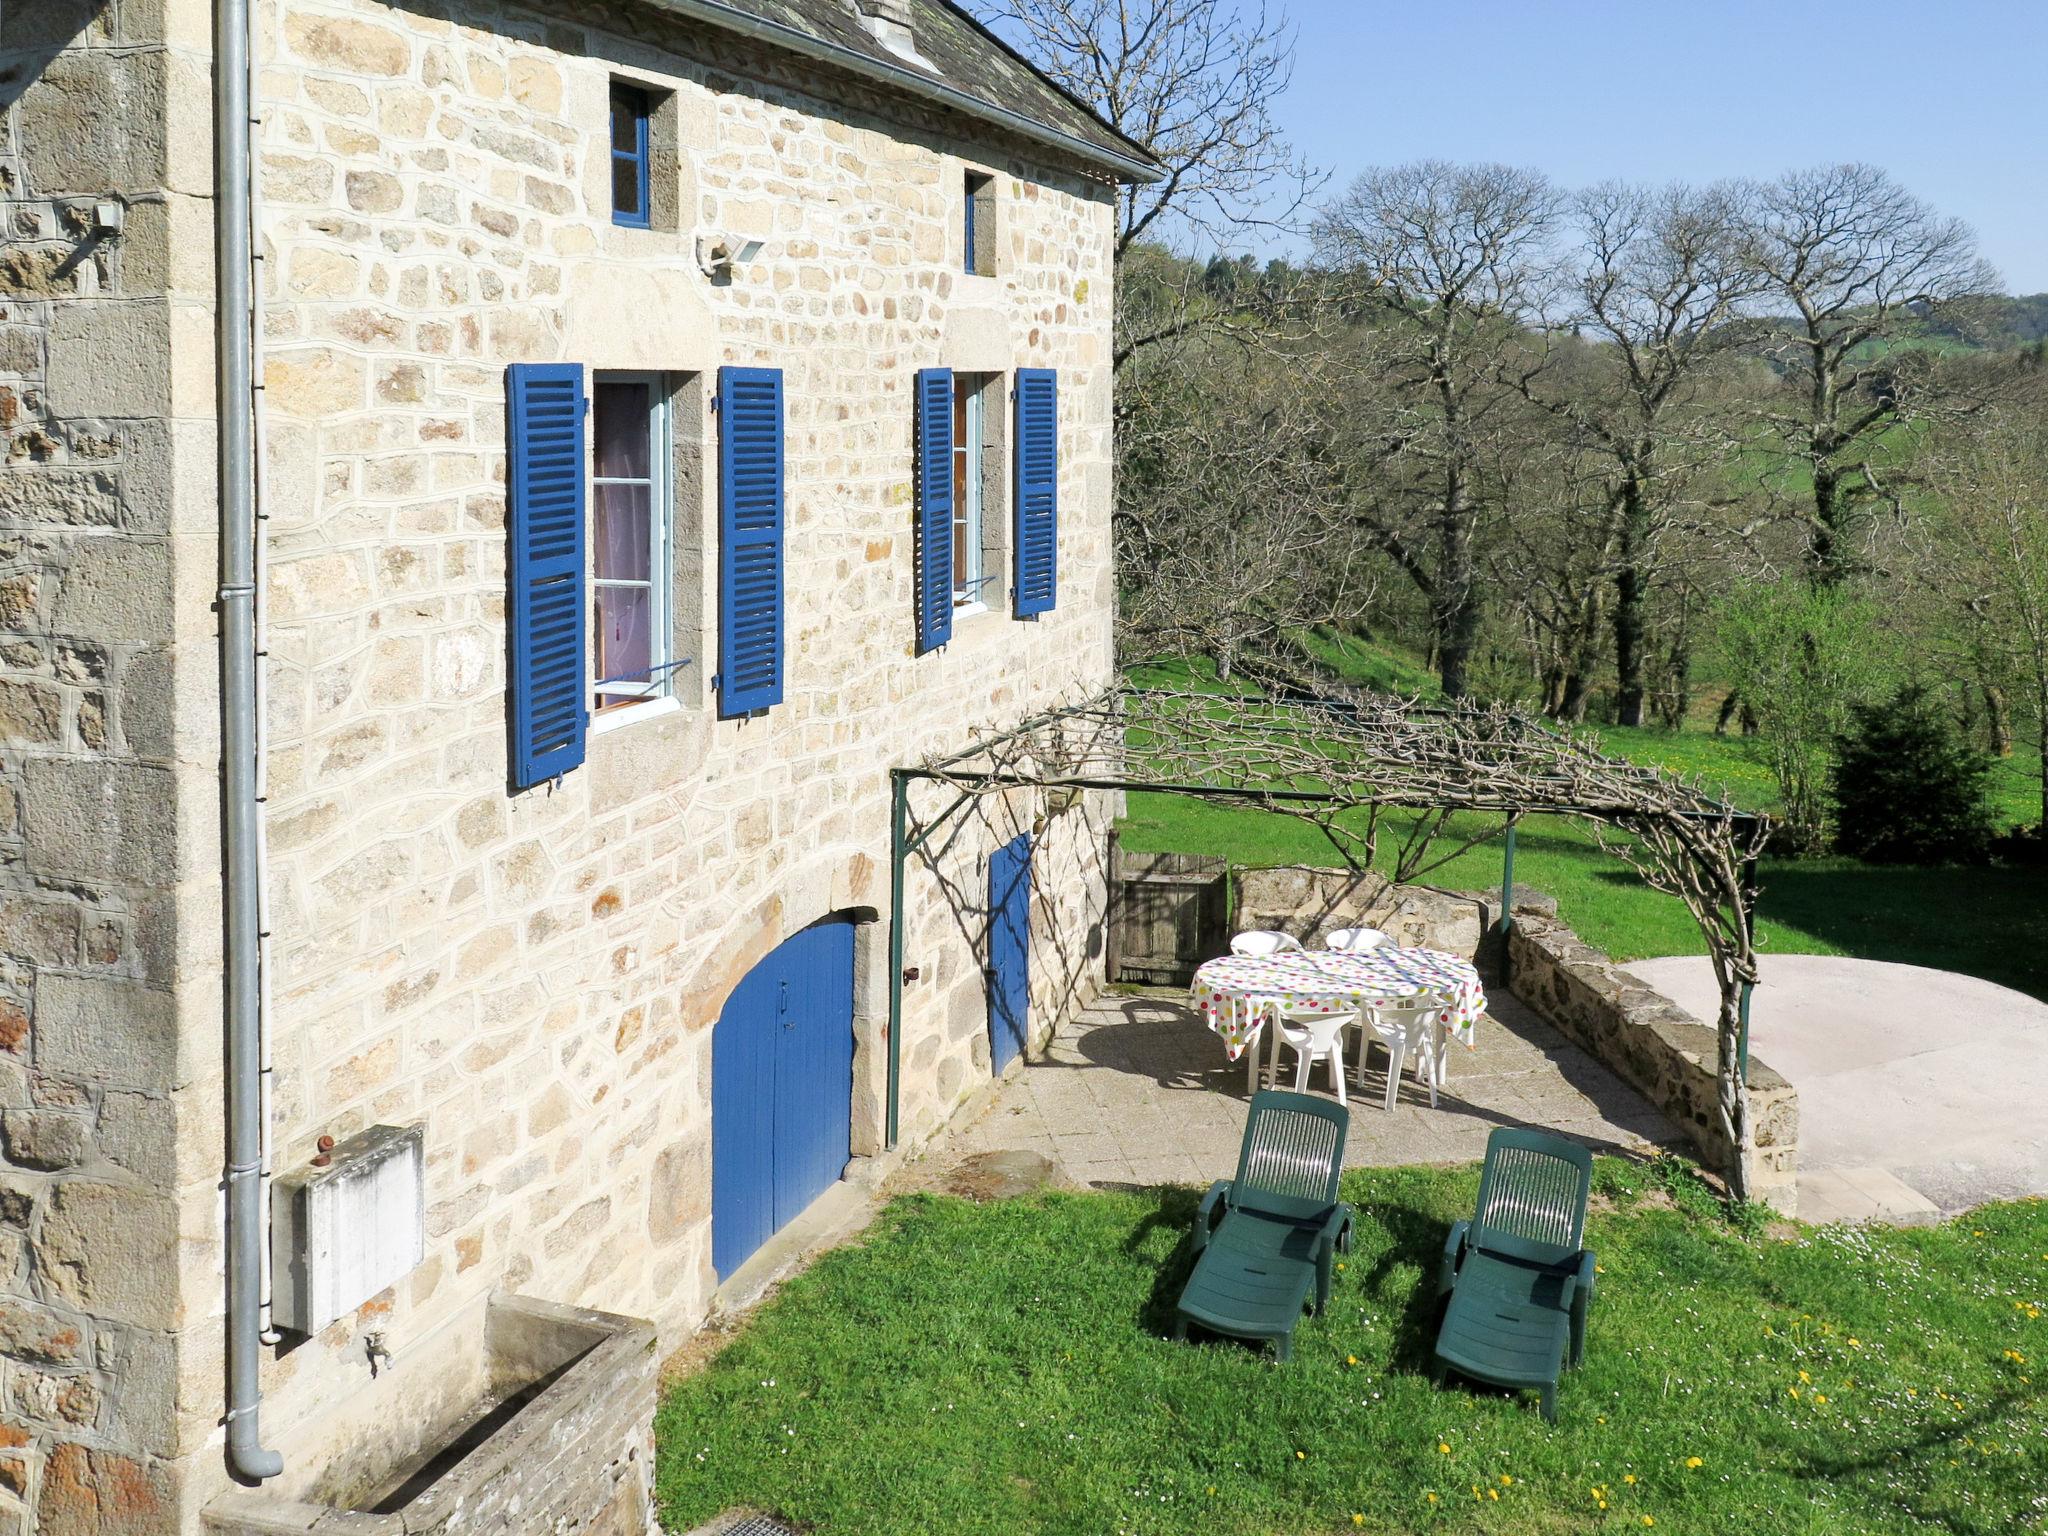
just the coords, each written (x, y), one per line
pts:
(1234, 992)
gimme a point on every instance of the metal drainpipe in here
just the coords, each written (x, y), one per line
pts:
(248, 1458)
(899, 817)
(260, 627)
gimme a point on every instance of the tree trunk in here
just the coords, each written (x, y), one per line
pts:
(1457, 609)
(1997, 720)
(1734, 1097)
(1631, 602)
(1571, 707)
(1826, 564)
(1678, 674)
(2041, 722)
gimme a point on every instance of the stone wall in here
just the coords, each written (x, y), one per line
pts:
(106, 809)
(532, 977)
(1662, 1051)
(1310, 903)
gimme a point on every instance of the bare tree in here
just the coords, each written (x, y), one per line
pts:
(1232, 536)
(1196, 83)
(1656, 278)
(1860, 262)
(1991, 554)
(1452, 263)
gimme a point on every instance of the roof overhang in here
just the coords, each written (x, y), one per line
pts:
(910, 81)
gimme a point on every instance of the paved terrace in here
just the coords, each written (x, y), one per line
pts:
(1140, 1092)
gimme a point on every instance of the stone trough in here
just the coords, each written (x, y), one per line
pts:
(541, 1420)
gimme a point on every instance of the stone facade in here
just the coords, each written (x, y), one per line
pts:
(1662, 1051)
(530, 976)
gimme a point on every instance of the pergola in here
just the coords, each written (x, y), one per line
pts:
(1342, 762)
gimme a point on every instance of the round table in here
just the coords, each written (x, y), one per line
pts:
(1233, 992)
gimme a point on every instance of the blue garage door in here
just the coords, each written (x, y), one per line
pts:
(781, 1090)
(1009, 951)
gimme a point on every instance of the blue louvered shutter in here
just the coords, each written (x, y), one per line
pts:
(544, 562)
(750, 523)
(1037, 459)
(934, 559)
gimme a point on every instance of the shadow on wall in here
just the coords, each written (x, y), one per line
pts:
(34, 32)
(1065, 959)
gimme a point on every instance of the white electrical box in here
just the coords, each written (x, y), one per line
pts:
(342, 1233)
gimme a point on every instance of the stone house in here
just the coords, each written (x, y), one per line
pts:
(664, 418)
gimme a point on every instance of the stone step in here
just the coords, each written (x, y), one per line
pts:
(1859, 1196)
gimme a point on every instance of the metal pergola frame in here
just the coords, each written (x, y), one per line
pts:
(1005, 760)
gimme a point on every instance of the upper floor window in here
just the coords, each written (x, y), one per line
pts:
(967, 455)
(631, 511)
(978, 220)
(632, 113)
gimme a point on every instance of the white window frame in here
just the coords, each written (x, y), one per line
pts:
(656, 693)
(968, 510)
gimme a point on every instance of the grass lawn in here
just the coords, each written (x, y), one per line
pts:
(1003, 1368)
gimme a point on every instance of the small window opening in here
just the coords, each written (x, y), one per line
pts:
(631, 154)
(979, 223)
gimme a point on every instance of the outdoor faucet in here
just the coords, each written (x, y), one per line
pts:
(375, 1347)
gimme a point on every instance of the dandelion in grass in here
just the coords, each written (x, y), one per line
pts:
(1694, 1461)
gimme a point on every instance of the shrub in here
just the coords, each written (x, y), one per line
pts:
(1908, 789)
(1800, 658)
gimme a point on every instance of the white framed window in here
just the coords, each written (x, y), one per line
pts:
(632, 510)
(969, 446)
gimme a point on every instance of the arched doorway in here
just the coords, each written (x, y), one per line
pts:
(781, 1089)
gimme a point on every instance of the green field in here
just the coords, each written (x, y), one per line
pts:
(1005, 1369)
(1985, 922)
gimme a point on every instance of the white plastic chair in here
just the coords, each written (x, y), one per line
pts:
(1406, 1028)
(1315, 1038)
(1354, 941)
(1257, 943)
(1260, 942)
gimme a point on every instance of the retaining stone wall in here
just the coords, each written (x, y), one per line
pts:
(1665, 1053)
(1310, 903)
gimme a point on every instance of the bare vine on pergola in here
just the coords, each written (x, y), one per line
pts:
(1342, 763)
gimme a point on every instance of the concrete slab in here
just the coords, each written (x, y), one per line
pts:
(1859, 1195)
(1140, 1092)
(1936, 1079)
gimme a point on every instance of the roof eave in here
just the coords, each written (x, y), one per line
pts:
(912, 82)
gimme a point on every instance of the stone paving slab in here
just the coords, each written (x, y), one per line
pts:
(1140, 1092)
(1936, 1079)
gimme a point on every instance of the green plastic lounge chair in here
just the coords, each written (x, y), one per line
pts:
(1281, 1224)
(1518, 1280)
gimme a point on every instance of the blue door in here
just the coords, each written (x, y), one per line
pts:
(781, 1090)
(1009, 950)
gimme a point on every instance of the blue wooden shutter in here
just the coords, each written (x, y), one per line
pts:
(544, 560)
(1037, 457)
(934, 559)
(750, 522)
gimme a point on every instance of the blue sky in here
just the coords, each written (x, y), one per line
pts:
(1946, 94)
